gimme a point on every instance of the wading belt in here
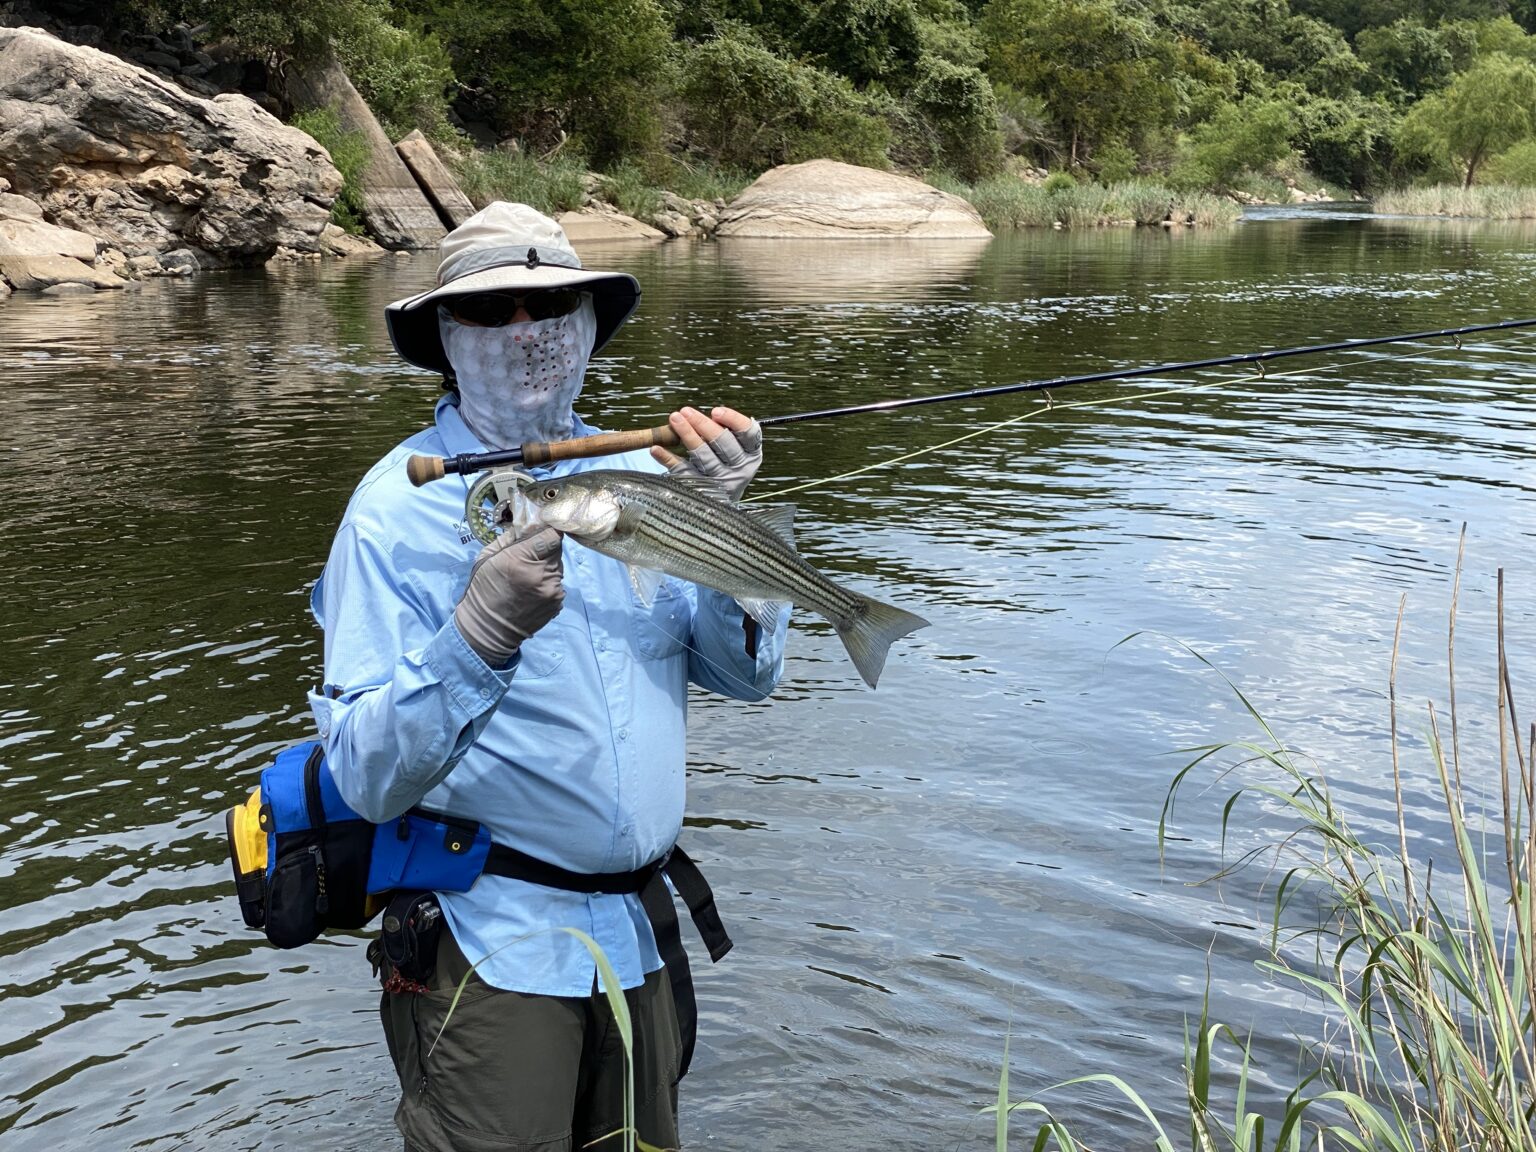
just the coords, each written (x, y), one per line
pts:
(650, 883)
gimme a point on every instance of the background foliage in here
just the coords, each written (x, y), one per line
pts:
(1214, 95)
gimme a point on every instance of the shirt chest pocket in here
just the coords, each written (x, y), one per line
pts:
(661, 628)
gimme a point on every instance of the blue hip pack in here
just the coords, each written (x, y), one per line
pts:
(305, 862)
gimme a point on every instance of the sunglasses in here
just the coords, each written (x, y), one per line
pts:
(496, 309)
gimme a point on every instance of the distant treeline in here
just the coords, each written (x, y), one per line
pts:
(1201, 94)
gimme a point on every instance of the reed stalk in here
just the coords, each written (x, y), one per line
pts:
(1428, 978)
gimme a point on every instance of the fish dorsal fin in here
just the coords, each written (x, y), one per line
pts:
(645, 581)
(765, 612)
(777, 518)
(699, 485)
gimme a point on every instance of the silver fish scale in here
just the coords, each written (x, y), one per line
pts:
(716, 544)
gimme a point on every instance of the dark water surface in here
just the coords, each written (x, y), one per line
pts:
(909, 873)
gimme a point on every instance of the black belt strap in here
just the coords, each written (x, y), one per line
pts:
(650, 882)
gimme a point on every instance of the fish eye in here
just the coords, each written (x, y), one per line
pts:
(551, 493)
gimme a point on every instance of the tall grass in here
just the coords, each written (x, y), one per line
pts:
(1490, 201)
(551, 186)
(1008, 202)
(1426, 965)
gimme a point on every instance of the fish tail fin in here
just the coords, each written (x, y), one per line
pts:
(871, 630)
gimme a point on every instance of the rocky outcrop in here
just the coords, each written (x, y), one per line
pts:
(38, 256)
(603, 222)
(395, 209)
(826, 198)
(144, 166)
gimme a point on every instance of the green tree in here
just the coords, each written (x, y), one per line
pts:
(750, 108)
(1405, 59)
(865, 40)
(1241, 137)
(545, 70)
(1096, 65)
(1484, 111)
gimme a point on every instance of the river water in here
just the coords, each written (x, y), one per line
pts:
(911, 875)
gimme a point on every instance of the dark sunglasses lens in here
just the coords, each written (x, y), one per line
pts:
(488, 310)
(556, 302)
(493, 309)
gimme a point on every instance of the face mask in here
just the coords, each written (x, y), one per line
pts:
(518, 382)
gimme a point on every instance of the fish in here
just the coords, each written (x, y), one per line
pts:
(688, 527)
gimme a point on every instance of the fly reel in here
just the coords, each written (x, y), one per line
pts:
(494, 503)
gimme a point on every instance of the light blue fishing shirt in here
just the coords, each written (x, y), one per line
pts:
(574, 754)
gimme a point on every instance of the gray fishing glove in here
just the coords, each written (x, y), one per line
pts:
(731, 459)
(515, 588)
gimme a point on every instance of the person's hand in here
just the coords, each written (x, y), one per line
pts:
(725, 446)
(514, 589)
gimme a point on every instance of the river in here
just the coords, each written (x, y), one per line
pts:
(913, 874)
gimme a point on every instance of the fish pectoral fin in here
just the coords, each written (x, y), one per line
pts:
(645, 581)
(765, 612)
(777, 518)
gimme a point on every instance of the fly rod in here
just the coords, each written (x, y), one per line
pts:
(424, 469)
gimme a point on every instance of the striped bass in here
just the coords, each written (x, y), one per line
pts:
(689, 529)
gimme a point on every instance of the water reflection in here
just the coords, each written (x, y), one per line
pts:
(910, 873)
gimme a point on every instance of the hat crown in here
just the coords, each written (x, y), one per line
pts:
(501, 234)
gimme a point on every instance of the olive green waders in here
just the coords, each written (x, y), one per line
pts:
(518, 1073)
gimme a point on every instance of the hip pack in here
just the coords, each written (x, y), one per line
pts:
(305, 862)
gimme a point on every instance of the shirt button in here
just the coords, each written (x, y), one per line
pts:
(485, 693)
(623, 733)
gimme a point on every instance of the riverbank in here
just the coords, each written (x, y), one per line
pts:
(1481, 201)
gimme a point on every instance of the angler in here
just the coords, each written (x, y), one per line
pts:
(519, 709)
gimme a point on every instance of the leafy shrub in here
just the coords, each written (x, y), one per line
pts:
(403, 74)
(1058, 182)
(1116, 162)
(1242, 137)
(350, 153)
(1516, 166)
(865, 40)
(753, 109)
(627, 187)
(958, 102)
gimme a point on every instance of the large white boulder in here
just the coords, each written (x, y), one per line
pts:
(827, 198)
(127, 156)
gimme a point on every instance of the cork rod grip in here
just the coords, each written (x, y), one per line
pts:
(603, 444)
(424, 469)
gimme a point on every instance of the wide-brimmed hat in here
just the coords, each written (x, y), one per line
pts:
(505, 248)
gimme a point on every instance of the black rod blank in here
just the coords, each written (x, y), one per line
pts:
(467, 463)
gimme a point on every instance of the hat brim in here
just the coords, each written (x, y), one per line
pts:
(412, 322)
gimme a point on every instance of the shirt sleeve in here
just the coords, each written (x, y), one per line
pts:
(725, 658)
(405, 696)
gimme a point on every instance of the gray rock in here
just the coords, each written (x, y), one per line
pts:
(164, 60)
(35, 273)
(674, 224)
(13, 207)
(5, 289)
(128, 156)
(141, 266)
(181, 262)
(829, 198)
(67, 288)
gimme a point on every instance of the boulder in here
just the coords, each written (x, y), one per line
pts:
(395, 209)
(133, 159)
(34, 273)
(337, 241)
(827, 198)
(591, 224)
(453, 207)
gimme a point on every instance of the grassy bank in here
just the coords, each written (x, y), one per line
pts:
(1487, 201)
(1425, 966)
(1008, 202)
